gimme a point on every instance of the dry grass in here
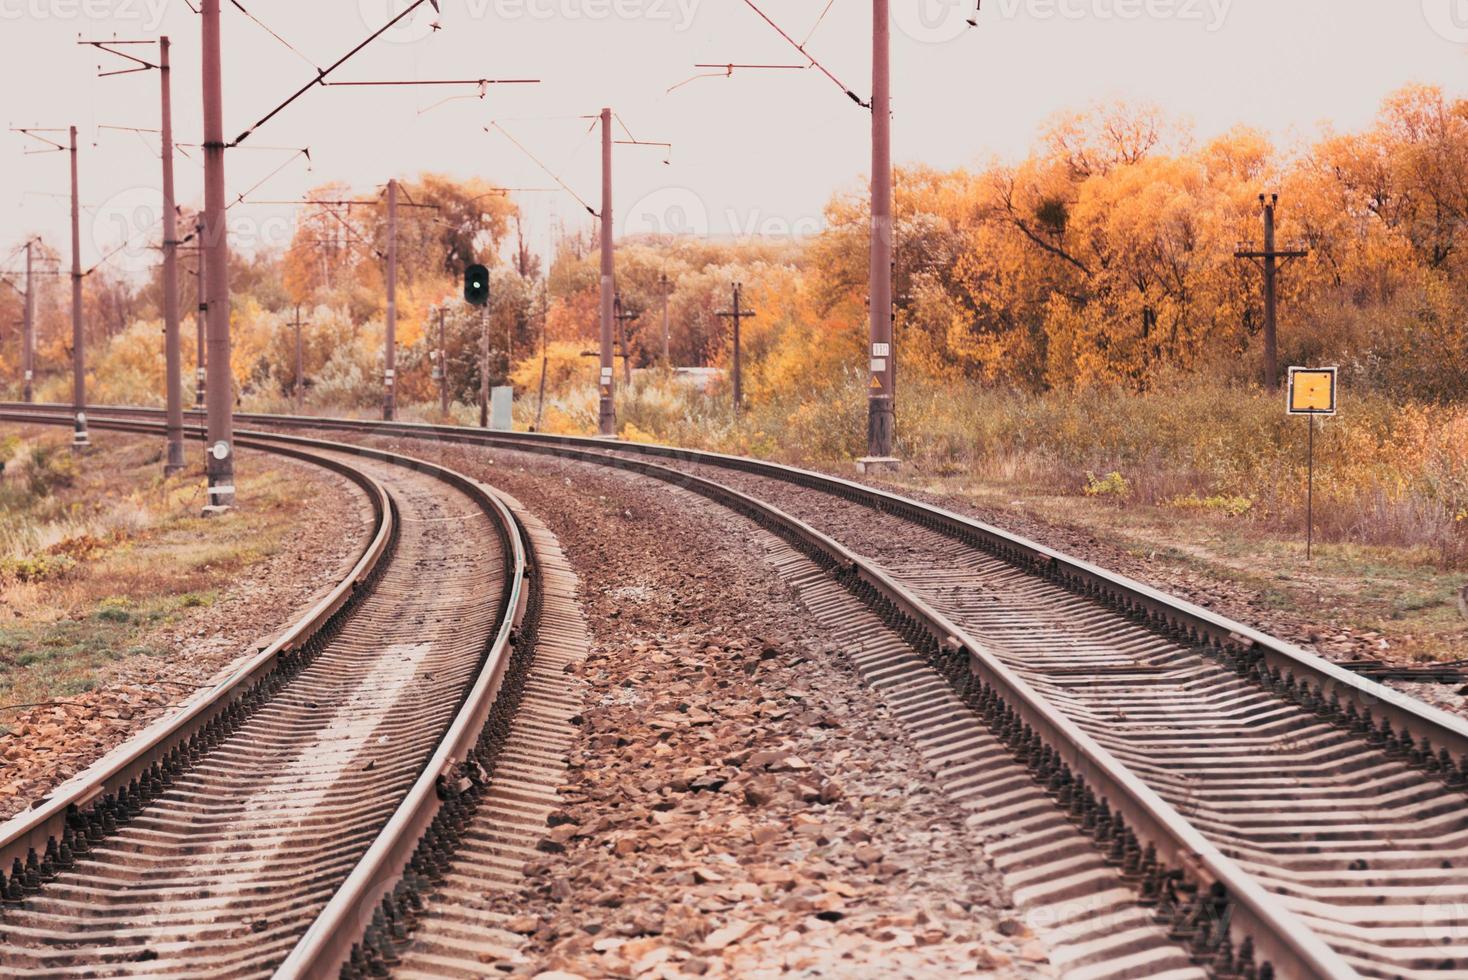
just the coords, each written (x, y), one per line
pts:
(94, 559)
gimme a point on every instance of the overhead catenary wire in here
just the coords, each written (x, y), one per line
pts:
(815, 63)
(264, 27)
(321, 74)
(550, 173)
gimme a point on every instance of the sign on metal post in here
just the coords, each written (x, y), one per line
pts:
(1312, 392)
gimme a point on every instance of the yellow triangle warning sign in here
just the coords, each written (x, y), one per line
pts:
(876, 382)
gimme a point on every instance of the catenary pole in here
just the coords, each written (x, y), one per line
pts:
(78, 340)
(666, 291)
(623, 318)
(880, 387)
(607, 414)
(390, 342)
(219, 458)
(201, 311)
(544, 351)
(173, 360)
(28, 329)
(484, 367)
(300, 385)
(443, 366)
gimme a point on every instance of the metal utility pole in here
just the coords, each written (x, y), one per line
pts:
(883, 373)
(666, 291)
(607, 414)
(443, 366)
(200, 384)
(622, 321)
(79, 438)
(737, 314)
(390, 342)
(214, 246)
(172, 382)
(173, 359)
(1269, 259)
(28, 329)
(484, 368)
(300, 385)
(544, 351)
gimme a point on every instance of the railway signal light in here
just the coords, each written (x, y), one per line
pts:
(476, 285)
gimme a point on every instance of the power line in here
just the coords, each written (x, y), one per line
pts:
(814, 62)
(567, 187)
(240, 7)
(811, 33)
(321, 74)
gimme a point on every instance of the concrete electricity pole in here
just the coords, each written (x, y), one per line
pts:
(173, 460)
(173, 359)
(736, 314)
(622, 320)
(607, 414)
(200, 382)
(214, 247)
(544, 351)
(883, 373)
(1269, 259)
(300, 385)
(666, 291)
(28, 329)
(484, 367)
(79, 438)
(390, 343)
(443, 366)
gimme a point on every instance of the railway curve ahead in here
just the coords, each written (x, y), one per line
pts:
(1283, 816)
(278, 819)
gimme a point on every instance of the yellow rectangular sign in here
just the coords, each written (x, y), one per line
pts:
(1312, 391)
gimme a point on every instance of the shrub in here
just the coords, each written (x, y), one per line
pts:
(37, 568)
(1112, 485)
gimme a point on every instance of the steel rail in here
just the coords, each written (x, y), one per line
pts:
(340, 927)
(43, 829)
(1291, 949)
(1184, 619)
(1288, 946)
(338, 931)
(1404, 713)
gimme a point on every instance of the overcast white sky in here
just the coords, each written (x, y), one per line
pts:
(762, 151)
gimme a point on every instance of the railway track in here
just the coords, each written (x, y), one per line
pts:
(291, 818)
(1279, 815)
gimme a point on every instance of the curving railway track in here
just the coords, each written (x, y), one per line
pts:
(1268, 813)
(277, 820)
